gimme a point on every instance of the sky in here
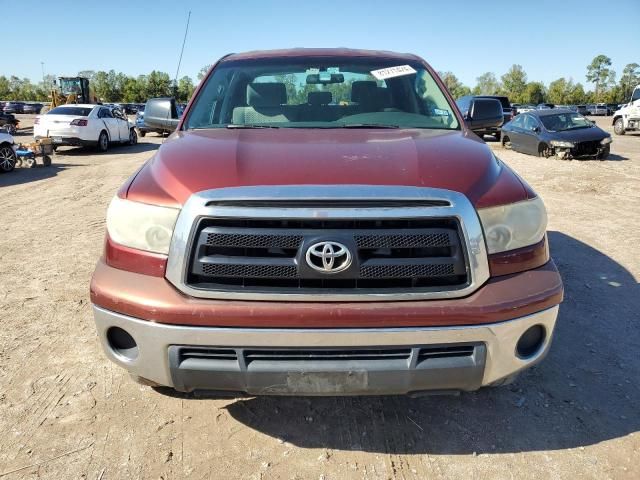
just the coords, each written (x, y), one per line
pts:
(550, 39)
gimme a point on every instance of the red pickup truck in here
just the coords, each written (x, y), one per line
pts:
(323, 222)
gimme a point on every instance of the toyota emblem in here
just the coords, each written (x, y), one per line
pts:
(328, 257)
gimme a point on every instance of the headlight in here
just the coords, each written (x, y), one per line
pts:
(512, 226)
(560, 143)
(141, 226)
(605, 141)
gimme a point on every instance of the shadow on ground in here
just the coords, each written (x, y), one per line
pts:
(113, 150)
(25, 175)
(585, 392)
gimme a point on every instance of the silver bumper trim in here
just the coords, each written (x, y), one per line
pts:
(154, 339)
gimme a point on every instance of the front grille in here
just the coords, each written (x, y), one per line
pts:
(264, 255)
(586, 148)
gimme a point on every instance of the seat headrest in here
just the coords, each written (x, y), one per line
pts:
(363, 90)
(266, 94)
(319, 98)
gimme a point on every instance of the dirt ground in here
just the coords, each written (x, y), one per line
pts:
(68, 413)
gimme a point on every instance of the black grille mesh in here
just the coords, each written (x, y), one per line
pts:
(402, 241)
(251, 271)
(406, 271)
(253, 241)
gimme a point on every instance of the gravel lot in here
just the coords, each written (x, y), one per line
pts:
(66, 412)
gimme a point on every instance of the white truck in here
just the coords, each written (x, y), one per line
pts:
(627, 119)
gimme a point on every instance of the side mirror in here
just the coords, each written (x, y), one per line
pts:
(161, 113)
(484, 113)
(536, 129)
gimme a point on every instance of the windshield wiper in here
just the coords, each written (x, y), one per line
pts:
(368, 125)
(250, 125)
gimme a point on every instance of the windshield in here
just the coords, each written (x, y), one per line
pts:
(321, 92)
(564, 121)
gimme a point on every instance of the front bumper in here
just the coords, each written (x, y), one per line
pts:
(223, 365)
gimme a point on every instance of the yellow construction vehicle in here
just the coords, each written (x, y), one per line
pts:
(72, 90)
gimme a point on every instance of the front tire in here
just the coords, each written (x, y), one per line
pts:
(506, 142)
(618, 127)
(7, 159)
(544, 150)
(133, 137)
(103, 142)
(605, 153)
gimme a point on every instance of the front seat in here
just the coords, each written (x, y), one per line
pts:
(265, 104)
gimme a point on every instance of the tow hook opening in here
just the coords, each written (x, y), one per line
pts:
(531, 342)
(122, 343)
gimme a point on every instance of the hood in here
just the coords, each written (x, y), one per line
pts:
(579, 135)
(196, 160)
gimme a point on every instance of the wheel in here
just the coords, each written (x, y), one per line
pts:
(506, 142)
(133, 137)
(544, 150)
(31, 162)
(142, 133)
(605, 153)
(46, 161)
(7, 159)
(618, 127)
(103, 142)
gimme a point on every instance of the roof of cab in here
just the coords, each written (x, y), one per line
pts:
(321, 52)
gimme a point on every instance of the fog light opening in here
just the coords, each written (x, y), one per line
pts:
(122, 343)
(531, 341)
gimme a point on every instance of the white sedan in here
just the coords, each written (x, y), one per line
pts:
(85, 125)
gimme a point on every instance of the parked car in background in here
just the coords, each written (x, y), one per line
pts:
(13, 107)
(508, 112)
(545, 106)
(582, 109)
(563, 133)
(524, 109)
(279, 245)
(598, 109)
(85, 125)
(143, 129)
(9, 123)
(7, 152)
(32, 108)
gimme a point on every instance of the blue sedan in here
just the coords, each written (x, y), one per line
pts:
(563, 133)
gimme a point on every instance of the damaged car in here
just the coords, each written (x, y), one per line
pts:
(563, 133)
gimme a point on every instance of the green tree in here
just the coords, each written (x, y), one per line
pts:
(203, 71)
(455, 86)
(5, 88)
(559, 91)
(486, 84)
(514, 83)
(629, 79)
(158, 84)
(185, 89)
(534, 93)
(576, 95)
(134, 90)
(599, 73)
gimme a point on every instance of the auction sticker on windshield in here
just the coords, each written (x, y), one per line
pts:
(392, 72)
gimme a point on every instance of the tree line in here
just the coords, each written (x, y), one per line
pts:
(114, 86)
(108, 86)
(562, 91)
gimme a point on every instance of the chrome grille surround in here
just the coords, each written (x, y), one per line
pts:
(228, 203)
